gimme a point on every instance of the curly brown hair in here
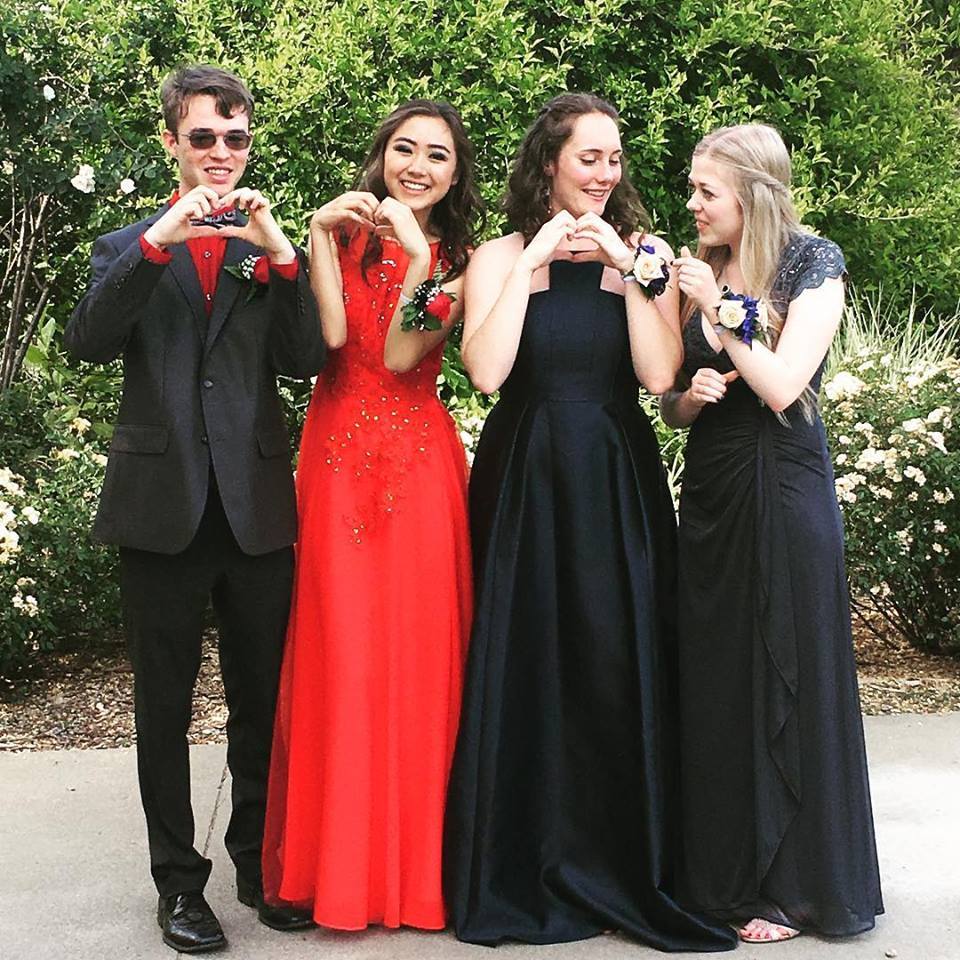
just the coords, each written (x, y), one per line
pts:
(455, 216)
(527, 199)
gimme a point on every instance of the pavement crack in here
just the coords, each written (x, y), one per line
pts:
(216, 810)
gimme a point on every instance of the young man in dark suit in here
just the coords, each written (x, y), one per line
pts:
(198, 492)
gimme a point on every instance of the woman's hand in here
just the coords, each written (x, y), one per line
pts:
(355, 206)
(395, 219)
(540, 250)
(709, 385)
(696, 280)
(611, 249)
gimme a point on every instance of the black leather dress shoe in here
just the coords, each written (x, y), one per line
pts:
(275, 917)
(188, 923)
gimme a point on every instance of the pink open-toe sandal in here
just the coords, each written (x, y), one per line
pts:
(759, 930)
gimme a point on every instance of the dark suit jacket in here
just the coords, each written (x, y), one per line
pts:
(195, 392)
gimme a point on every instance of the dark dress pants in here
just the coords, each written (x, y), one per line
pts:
(165, 598)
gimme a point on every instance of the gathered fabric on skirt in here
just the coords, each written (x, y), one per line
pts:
(562, 811)
(777, 818)
(370, 689)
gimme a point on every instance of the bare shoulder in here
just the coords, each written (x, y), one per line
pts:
(500, 253)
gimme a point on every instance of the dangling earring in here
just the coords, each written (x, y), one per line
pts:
(545, 197)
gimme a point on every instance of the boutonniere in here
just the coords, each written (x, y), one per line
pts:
(744, 316)
(650, 270)
(429, 307)
(253, 271)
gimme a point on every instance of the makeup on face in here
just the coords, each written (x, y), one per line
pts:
(588, 166)
(714, 204)
(420, 163)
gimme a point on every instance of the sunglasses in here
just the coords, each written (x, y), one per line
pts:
(205, 139)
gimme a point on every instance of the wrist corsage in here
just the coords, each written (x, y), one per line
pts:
(649, 270)
(254, 271)
(744, 316)
(429, 307)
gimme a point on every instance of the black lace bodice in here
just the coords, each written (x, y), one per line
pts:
(805, 263)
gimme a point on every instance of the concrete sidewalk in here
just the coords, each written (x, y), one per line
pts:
(74, 883)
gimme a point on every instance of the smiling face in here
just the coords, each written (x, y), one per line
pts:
(714, 204)
(218, 167)
(420, 164)
(587, 167)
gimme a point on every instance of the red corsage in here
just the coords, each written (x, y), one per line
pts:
(439, 306)
(429, 307)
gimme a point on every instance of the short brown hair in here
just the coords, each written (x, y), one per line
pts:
(202, 79)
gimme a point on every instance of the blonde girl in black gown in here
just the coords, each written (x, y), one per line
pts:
(777, 823)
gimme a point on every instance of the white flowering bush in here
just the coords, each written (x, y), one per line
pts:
(57, 587)
(893, 424)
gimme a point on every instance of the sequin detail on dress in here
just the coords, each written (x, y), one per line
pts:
(383, 420)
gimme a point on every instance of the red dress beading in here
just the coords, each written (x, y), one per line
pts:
(369, 695)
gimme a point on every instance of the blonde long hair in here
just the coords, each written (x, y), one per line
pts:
(759, 163)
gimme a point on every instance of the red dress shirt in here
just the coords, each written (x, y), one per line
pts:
(207, 254)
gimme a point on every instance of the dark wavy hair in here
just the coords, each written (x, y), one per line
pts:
(454, 216)
(527, 199)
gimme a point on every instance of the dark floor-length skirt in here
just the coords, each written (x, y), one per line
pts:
(777, 817)
(561, 816)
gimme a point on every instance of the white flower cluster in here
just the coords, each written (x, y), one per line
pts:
(10, 484)
(9, 538)
(847, 485)
(470, 424)
(912, 438)
(843, 386)
(884, 467)
(84, 180)
(26, 603)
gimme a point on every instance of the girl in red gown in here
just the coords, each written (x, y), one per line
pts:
(369, 695)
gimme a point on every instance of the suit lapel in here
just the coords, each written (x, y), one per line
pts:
(228, 288)
(185, 273)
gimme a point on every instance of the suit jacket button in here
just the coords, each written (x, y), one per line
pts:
(204, 439)
(208, 383)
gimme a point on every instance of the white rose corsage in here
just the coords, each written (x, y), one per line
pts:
(744, 316)
(649, 270)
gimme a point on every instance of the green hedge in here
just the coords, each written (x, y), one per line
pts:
(859, 88)
(58, 587)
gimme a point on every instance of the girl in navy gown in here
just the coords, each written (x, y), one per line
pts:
(560, 817)
(778, 830)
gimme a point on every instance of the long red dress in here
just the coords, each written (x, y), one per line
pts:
(369, 694)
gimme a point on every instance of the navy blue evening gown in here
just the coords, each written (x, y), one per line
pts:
(777, 820)
(562, 808)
